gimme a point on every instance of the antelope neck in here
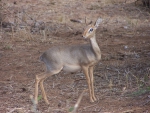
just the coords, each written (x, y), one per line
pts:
(95, 47)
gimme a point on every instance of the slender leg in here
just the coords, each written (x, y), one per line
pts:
(86, 72)
(40, 79)
(92, 82)
(43, 91)
(37, 80)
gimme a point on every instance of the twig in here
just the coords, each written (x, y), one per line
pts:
(44, 35)
(14, 110)
(74, 20)
(34, 108)
(128, 111)
(144, 103)
(78, 101)
(12, 32)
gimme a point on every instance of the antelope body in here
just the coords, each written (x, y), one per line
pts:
(71, 59)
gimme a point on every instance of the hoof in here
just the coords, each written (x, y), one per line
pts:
(91, 100)
(47, 103)
(94, 98)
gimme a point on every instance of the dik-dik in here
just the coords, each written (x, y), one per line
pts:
(72, 58)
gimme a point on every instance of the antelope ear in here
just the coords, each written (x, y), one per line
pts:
(99, 20)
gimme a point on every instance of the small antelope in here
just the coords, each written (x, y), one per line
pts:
(71, 59)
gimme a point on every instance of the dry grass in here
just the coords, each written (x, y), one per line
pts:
(128, 23)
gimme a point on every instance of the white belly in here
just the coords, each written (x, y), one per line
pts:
(71, 68)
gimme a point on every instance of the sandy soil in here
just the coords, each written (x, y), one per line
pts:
(122, 77)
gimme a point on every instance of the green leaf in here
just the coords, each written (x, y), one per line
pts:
(39, 97)
(71, 109)
(148, 88)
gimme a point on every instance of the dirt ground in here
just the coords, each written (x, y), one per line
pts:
(122, 77)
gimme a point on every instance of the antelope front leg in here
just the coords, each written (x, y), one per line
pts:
(92, 82)
(86, 72)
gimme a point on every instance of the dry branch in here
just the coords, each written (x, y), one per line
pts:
(78, 101)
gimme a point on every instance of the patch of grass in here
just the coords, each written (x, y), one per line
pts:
(71, 109)
(141, 91)
(39, 97)
(8, 47)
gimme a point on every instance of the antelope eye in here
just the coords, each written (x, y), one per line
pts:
(91, 29)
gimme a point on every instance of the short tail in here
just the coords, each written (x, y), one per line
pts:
(41, 57)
